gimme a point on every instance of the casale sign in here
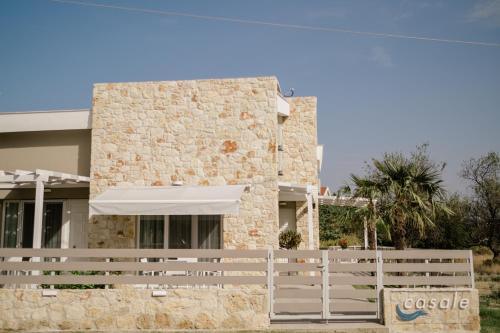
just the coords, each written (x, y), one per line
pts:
(423, 306)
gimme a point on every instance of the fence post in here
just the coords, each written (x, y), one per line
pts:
(325, 272)
(52, 273)
(471, 265)
(270, 280)
(106, 286)
(380, 281)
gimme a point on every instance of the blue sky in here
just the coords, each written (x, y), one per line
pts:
(374, 94)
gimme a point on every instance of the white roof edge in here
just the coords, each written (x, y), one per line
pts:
(42, 111)
(50, 120)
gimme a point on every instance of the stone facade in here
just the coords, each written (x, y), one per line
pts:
(452, 318)
(132, 309)
(299, 158)
(200, 132)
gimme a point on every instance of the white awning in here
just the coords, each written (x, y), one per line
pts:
(169, 200)
(292, 192)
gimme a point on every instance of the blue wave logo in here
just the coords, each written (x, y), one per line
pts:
(409, 316)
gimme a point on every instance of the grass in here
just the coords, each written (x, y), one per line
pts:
(490, 319)
(488, 283)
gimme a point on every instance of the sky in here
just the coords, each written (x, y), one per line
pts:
(375, 94)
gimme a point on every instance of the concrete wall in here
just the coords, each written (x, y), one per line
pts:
(63, 151)
(132, 309)
(452, 318)
(204, 132)
(55, 193)
(300, 140)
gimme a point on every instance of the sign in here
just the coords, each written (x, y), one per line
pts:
(426, 310)
(424, 306)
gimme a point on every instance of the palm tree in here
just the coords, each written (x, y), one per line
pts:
(411, 193)
(368, 189)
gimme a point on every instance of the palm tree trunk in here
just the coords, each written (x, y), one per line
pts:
(399, 235)
(372, 236)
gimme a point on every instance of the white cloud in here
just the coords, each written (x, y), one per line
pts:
(380, 56)
(486, 11)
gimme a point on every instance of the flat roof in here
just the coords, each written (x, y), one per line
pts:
(51, 120)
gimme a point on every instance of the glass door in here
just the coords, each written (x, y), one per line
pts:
(151, 232)
(179, 232)
(27, 225)
(52, 224)
(209, 232)
(11, 224)
(19, 219)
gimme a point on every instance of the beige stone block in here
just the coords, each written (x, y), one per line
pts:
(105, 322)
(126, 322)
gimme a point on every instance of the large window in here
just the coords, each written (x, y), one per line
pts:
(180, 232)
(18, 224)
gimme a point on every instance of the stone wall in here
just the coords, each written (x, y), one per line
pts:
(441, 315)
(203, 132)
(300, 140)
(132, 309)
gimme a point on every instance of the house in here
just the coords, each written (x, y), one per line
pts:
(206, 164)
(219, 163)
(325, 191)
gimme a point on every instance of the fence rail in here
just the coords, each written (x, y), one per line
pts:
(326, 284)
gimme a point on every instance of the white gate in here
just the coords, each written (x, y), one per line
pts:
(346, 285)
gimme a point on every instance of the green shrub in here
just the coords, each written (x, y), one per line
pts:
(352, 240)
(74, 286)
(290, 239)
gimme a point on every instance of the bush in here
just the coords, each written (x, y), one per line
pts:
(352, 240)
(343, 243)
(74, 286)
(481, 250)
(488, 263)
(290, 239)
(334, 224)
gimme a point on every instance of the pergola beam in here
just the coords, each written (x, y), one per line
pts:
(48, 177)
(342, 201)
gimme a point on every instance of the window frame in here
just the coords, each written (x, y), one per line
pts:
(166, 231)
(20, 220)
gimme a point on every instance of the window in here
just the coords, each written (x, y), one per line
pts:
(152, 230)
(209, 232)
(19, 219)
(180, 232)
(11, 219)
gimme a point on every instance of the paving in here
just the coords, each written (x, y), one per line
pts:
(336, 327)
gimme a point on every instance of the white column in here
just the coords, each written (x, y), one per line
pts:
(37, 225)
(310, 229)
(365, 233)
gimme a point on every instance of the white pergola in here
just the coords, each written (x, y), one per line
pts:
(39, 179)
(345, 201)
(342, 201)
